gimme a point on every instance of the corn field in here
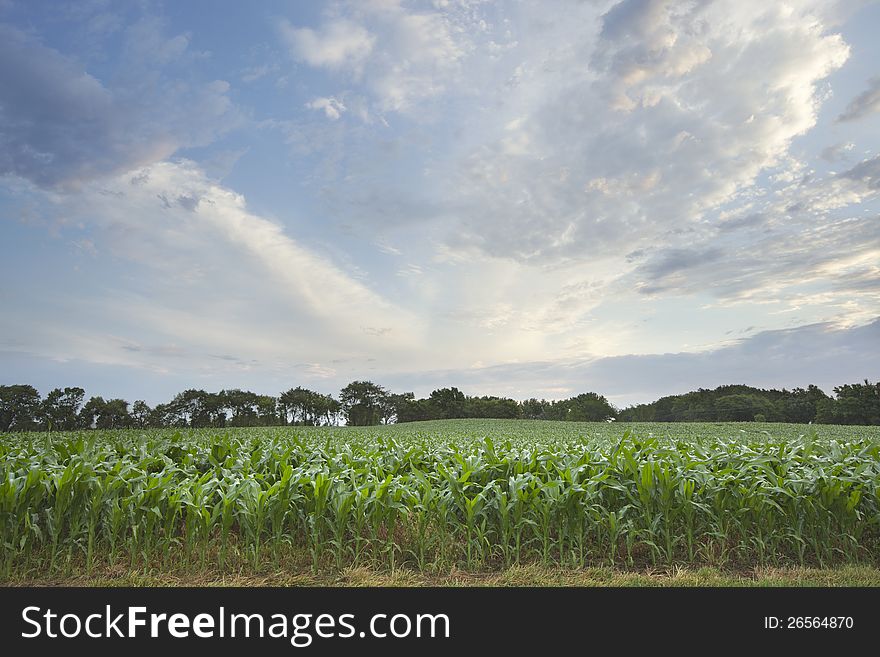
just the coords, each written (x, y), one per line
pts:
(435, 495)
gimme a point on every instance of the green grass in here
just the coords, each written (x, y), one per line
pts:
(435, 501)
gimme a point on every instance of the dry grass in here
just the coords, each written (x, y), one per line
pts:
(516, 576)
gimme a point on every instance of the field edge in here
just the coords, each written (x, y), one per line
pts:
(516, 576)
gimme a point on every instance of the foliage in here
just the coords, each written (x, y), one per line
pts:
(20, 408)
(307, 407)
(737, 403)
(364, 403)
(61, 408)
(432, 495)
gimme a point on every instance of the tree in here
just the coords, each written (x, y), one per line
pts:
(694, 406)
(533, 409)
(140, 414)
(88, 415)
(20, 408)
(589, 407)
(243, 405)
(387, 410)
(114, 415)
(491, 407)
(363, 403)
(450, 403)
(735, 403)
(302, 406)
(409, 409)
(267, 407)
(797, 405)
(165, 416)
(742, 408)
(858, 403)
(329, 409)
(101, 414)
(215, 408)
(197, 408)
(61, 408)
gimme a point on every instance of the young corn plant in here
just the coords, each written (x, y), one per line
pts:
(431, 496)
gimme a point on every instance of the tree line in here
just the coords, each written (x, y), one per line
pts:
(857, 403)
(364, 403)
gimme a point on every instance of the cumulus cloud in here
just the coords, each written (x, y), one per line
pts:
(59, 125)
(401, 56)
(867, 102)
(656, 129)
(338, 44)
(332, 107)
(665, 112)
(538, 183)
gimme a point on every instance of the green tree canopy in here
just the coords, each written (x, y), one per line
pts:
(61, 408)
(20, 408)
(363, 403)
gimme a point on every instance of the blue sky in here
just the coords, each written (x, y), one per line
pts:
(636, 198)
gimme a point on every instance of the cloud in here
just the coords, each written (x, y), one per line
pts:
(867, 102)
(338, 44)
(59, 125)
(318, 371)
(400, 57)
(321, 289)
(205, 273)
(637, 123)
(542, 183)
(813, 195)
(836, 152)
(669, 264)
(418, 59)
(778, 260)
(745, 221)
(823, 354)
(866, 172)
(332, 107)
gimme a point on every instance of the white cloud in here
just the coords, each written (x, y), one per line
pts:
(204, 273)
(338, 44)
(318, 371)
(497, 183)
(637, 123)
(824, 354)
(401, 57)
(807, 246)
(417, 59)
(332, 107)
(146, 45)
(321, 289)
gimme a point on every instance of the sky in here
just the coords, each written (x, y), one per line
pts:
(636, 198)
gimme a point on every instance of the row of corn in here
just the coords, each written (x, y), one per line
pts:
(352, 497)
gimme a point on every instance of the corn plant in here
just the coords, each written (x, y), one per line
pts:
(436, 495)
